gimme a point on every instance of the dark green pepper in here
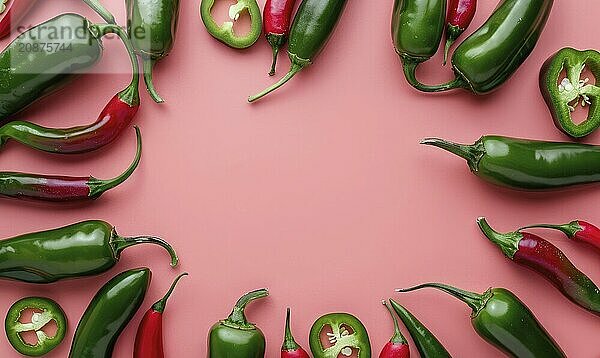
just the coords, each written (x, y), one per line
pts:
(503, 320)
(526, 164)
(489, 57)
(83, 249)
(45, 312)
(312, 27)
(43, 59)
(152, 26)
(108, 314)
(417, 29)
(562, 97)
(427, 344)
(235, 337)
(346, 335)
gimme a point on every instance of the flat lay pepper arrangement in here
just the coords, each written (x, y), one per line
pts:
(481, 63)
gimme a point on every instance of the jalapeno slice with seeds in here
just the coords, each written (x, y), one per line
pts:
(346, 336)
(45, 312)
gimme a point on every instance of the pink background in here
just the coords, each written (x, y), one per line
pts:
(320, 193)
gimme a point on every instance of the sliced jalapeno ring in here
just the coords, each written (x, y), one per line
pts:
(225, 32)
(346, 335)
(45, 312)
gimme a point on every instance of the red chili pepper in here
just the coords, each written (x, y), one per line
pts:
(13, 13)
(576, 230)
(398, 346)
(277, 20)
(114, 118)
(459, 17)
(291, 349)
(149, 338)
(548, 260)
(62, 188)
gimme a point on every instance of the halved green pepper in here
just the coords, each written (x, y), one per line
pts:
(45, 311)
(346, 335)
(562, 96)
(225, 33)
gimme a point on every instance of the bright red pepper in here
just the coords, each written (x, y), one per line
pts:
(459, 17)
(576, 230)
(291, 349)
(149, 339)
(114, 118)
(12, 15)
(398, 346)
(549, 261)
(277, 20)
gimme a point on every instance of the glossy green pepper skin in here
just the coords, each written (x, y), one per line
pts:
(235, 337)
(491, 55)
(526, 164)
(563, 96)
(83, 249)
(152, 26)
(417, 28)
(46, 311)
(427, 343)
(109, 313)
(312, 28)
(504, 321)
(342, 340)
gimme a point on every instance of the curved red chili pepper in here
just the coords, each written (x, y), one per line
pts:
(577, 230)
(149, 338)
(397, 347)
(546, 259)
(114, 118)
(12, 15)
(277, 20)
(291, 349)
(62, 188)
(459, 17)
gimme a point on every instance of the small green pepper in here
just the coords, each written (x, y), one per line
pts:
(235, 337)
(225, 33)
(108, 314)
(45, 311)
(562, 96)
(346, 335)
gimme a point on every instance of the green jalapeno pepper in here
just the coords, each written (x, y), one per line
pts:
(504, 321)
(312, 27)
(152, 26)
(29, 71)
(45, 311)
(235, 337)
(108, 314)
(225, 33)
(489, 57)
(526, 164)
(562, 97)
(417, 29)
(346, 334)
(83, 249)
(427, 344)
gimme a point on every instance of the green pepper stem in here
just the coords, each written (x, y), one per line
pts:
(570, 229)
(474, 300)
(99, 187)
(397, 338)
(471, 153)
(289, 343)
(131, 94)
(101, 10)
(149, 63)
(161, 305)
(296, 67)
(410, 69)
(509, 242)
(449, 43)
(276, 41)
(120, 243)
(237, 316)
